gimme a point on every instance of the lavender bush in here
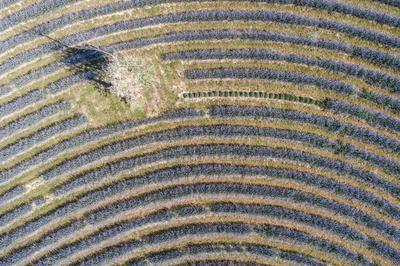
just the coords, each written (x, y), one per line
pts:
(33, 118)
(91, 135)
(50, 131)
(372, 77)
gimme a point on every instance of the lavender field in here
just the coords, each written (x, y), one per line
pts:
(180, 132)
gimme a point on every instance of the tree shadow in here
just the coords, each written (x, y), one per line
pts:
(88, 60)
(82, 59)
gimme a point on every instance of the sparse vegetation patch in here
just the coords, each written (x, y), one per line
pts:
(132, 79)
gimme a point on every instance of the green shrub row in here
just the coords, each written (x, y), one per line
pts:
(252, 94)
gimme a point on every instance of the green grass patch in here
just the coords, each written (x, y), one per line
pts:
(100, 107)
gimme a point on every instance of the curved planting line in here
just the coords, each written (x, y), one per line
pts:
(394, 3)
(31, 76)
(198, 16)
(295, 236)
(5, 3)
(37, 9)
(111, 230)
(281, 135)
(57, 70)
(278, 212)
(205, 255)
(192, 228)
(171, 234)
(33, 118)
(376, 116)
(372, 117)
(55, 24)
(48, 240)
(382, 100)
(104, 213)
(279, 17)
(109, 150)
(326, 123)
(14, 192)
(221, 130)
(308, 179)
(58, 127)
(222, 253)
(72, 228)
(251, 94)
(116, 189)
(212, 170)
(207, 250)
(333, 227)
(392, 254)
(84, 198)
(372, 77)
(229, 131)
(92, 135)
(370, 55)
(39, 94)
(341, 148)
(261, 252)
(289, 18)
(116, 7)
(232, 259)
(259, 73)
(21, 102)
(178, 134)
(162, 39)
(15, 214)
(333, 6)
(38, 73)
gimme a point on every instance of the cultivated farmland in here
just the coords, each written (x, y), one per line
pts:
(234, 132)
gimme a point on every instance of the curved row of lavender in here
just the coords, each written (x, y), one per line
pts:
(312, 188)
